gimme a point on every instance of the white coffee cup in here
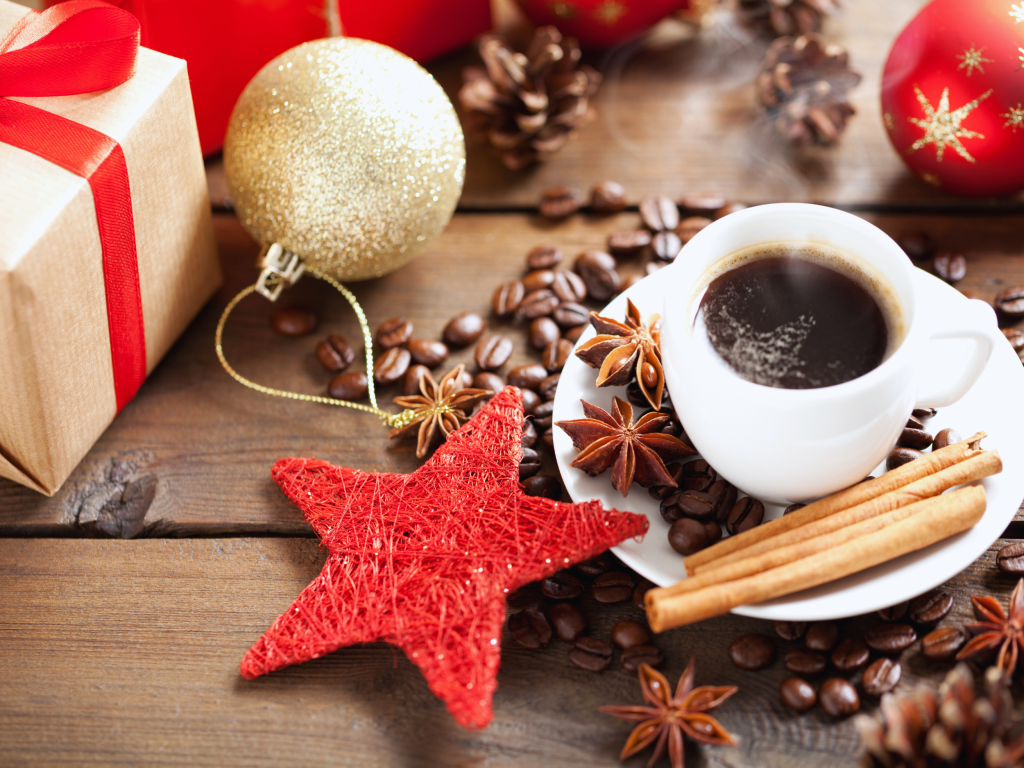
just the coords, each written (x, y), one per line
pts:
(794, 445)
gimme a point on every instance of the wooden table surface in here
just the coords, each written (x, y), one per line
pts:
(124, 615)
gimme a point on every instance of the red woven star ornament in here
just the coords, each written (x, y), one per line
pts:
(425, 561)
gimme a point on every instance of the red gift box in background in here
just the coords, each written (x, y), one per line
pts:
(225, 42)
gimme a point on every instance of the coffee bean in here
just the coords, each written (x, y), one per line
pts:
(530, 628)
(348, 386)
(543, 331)
(698, 475)
(559, 202)
(463, 329)
(569, 287)
(507, 298)
(943, 643)
(555, 354)
(714, 529)
(597, 269)
(914, 438)
(292, 321)
(1010, 558)
(931, 608)
(529, 465)
(1015, 337)
(595, 566)
(893, 612)
(822, 636)
(752, 652)
(570, 314)
(640, 593)
(539, 278)
(529, 438)
(659, 213)
(723, 495)
(790, 630)
(632, 658)
(628, 242)
(1011, 302)
(890, 638)
(547, 388)
(492, 352)
(659, 492)
(628, 633)
(542, 485)
(542, 416)
(530, 401)
(591, 654)
(527, 376)
(746, 513)
(394, 332)
(334, 353)
(392, 365)
(543, 257)
(607, 197)
(562, 586)
(411, 380)
(670, 511)
(487, 380)
(924, 413)
(803, 662)
(792, 508)
(950, 267)
(838, 698)
(881, 677)
(612, 587)
(689, 227)
(666, 245)
(915, 423)
(539, 303)
(702, 203)
(547, 439)
(919, 246)
(428, 352)
(901, 456)
(850, 655)
(527, 596)
(728, 208)
(567, 620)
(687, 536)
(797, 694)
(947, 436)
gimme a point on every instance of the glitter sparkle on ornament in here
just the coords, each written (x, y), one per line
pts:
(942, 127)
(973, 60)
(1014, 117)
(1017, 12)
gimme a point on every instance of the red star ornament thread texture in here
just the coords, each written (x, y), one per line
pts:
(425, 561)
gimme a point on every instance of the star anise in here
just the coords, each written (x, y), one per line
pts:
(998, 630)
(633, 451)
(622, 350)
(440, 409)
(670, 717)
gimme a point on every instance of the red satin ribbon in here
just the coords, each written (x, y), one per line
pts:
(82, 46)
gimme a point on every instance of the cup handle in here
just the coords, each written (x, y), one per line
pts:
(977, 324)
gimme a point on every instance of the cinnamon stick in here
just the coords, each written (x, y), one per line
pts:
(911, 472)
(950, 513)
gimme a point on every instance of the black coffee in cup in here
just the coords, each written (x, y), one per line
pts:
(797, 316)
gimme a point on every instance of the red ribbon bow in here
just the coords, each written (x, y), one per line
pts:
(81, 46)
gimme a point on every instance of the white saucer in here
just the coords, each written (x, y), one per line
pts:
(990, 406)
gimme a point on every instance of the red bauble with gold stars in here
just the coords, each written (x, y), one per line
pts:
(600, 23)
(953, 96)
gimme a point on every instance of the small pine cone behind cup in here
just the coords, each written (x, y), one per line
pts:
(787, 17)
(803, 86)
(528, 105)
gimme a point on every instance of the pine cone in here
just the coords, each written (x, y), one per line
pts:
(803, 85)
(787, 17)
(528, 105)
(951, 727)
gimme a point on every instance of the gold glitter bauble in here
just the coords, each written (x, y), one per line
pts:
(347, 153)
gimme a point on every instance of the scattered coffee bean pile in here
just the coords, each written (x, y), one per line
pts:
(914, 439)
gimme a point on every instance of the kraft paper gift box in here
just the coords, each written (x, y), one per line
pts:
(78, 329)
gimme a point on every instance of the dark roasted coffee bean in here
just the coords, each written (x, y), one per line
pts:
(348, 386)
(1011, 302)
(714, 529)
(924, 413)
(488, 380)
(547, 440)
(822, 636)
(797, 694)
(555, 354)
(394, 332)
(547, 388)
(411, 380)
(539, 278)
(507, 297)
(529, 438)
(931, 608)
(595, 566)
(881, 677)
(543, 331)
(901, 456)
(539, 303)
(915, 423)
(530, 628)
(659, 492)
(562, 586)
(567, 620)
(803, 662)
(950, 267)
(890, 638)
(659, 213)
(292, 321)
(919, 246)
(591, 654)
(746, 513)
(334, 353)
(463, 329)
(597, 269)
(568, 286)
(838, 698)
(570, 315)
(687, 536)
(914, 438)
(697, 505)
(792, 508)
(943, 643)
(850, 655)
(607, 197)
(559, 202)
(527, 596)
(628, 242)
(670, 511)
(543, 257)
(541, 485)
(632, 658)
(947, 436)
(893, 612)
(728, 208)
(428, 352)
(529, 465)
(640, 593)
(790, 630)
(702, 203)
(628, 633)
(752, 652)
(612, 587)
(666, 245)
(724, 494)
(1010, 558)
(492, 352)
(1015, 337)
(392, 365)
(527, 376)
(542, 415)
(530, 402)
(689, 227)
(698, 475)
